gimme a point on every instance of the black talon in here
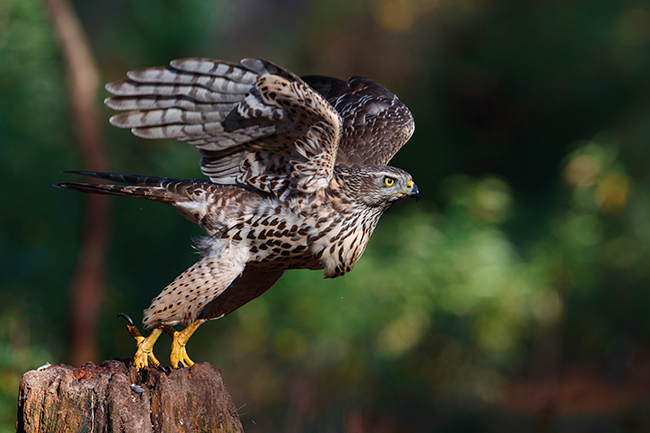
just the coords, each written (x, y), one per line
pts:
(128, 319)
(180, 364)
(165, 369)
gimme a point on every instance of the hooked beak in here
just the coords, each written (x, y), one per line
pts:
(415, 193)
(412, 190)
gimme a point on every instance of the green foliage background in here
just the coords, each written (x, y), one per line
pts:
(527, 257)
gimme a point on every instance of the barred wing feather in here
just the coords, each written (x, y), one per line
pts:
(376, 124)
(253, 123)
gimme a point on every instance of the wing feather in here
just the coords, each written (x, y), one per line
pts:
(254, 123)
(376, 124)
(159, 102)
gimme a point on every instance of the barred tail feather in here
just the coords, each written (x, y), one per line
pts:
(191, 198)
(148, 193)
(147, 187)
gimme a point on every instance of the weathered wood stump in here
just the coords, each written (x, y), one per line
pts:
(115, 397)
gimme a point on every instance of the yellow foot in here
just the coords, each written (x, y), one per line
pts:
(179, 357)
(144, 356)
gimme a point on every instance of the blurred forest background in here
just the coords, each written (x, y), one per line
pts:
(514, 297)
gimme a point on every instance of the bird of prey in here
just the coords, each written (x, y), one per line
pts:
(297, 178)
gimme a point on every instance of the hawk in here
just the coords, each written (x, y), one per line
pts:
(297, 178)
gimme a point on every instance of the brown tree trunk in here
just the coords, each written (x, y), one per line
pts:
(87, 289)
(114, 397)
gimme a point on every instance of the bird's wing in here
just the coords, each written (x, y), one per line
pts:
(254, 123)
(252, 283)
(376, 124)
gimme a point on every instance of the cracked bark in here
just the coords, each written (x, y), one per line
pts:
(114, 396)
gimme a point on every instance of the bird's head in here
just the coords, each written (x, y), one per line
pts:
(380, 186)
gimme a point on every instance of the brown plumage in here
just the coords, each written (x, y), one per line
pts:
(297, 177)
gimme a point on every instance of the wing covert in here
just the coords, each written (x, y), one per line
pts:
(376, 124)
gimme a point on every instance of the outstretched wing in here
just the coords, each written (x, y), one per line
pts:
(254, 123)
(376, 124)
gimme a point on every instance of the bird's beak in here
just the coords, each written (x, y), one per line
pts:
(412, 190)
(415, 193)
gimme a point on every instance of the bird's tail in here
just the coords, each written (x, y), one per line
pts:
(160, 189)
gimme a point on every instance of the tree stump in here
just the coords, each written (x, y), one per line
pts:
(114, 397)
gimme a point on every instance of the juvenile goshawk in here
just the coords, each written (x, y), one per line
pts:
(297, 178)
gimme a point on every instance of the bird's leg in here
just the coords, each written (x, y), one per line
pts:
(144, 355)
(179, 357)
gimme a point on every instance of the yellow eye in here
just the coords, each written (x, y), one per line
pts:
(389, 181)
